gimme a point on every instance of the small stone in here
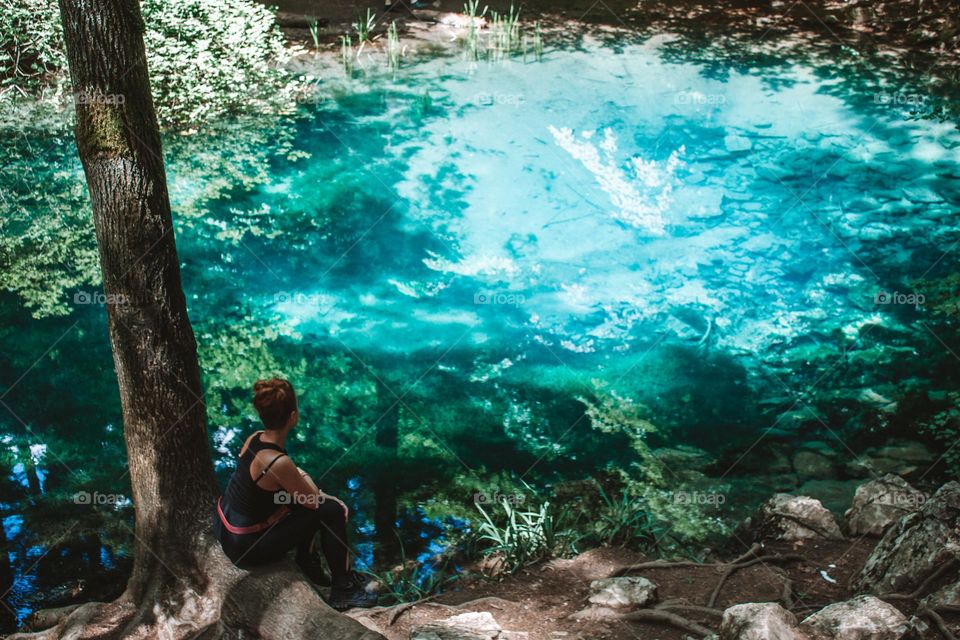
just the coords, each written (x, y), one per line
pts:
(759, 621)
(860, 618)
(879, 503)
(626, 591)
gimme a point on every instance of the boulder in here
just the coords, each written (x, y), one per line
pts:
(792, 518)
(475, 625)
(860, 618)
(879, 503)
(628, 591)
(915, 546)
(759, 621)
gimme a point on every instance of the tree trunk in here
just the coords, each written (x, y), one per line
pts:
(154, 351)
(182, 586)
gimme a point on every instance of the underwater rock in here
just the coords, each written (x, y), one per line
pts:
(625, 591)
(759, 621)
(475, 625)
(899, 457)
(915, 546)
(860, 618)
(791, 518)
(879, 503)
(835, 495)
(809, 464)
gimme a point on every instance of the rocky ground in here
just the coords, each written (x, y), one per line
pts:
(888, 570)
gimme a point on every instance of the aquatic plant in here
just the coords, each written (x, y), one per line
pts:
(347, 54)
(393, 46)
(364, 26)
(314, 27)
(944, 428)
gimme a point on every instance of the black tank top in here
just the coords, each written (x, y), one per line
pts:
(244, 496)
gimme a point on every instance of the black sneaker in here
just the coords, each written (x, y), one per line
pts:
(353, 594)
(312, 567)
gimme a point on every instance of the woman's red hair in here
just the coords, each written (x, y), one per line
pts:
(275, 401)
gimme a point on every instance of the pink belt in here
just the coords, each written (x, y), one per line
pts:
(274, 518)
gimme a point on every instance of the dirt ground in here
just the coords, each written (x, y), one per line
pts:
(537, 602)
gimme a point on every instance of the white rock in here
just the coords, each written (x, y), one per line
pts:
(475, 625)
(623, 592)
(860, 618)
(879, 503)
(759, 621)
(792, 518)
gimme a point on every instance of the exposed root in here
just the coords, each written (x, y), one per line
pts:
(684, 564)
(917, 593)
(656, 615)
(792, 557)
(938, 622)
(42, 619)
(400, 609)
(690, 608)
(272, 602)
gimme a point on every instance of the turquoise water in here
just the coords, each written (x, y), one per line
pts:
(468, 255)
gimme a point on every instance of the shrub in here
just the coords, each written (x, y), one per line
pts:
(207, 58)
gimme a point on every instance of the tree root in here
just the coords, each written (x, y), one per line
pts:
(733, 568)
(399, 609)
(917, 593)
(42, 619)
(938, 622)
(658, 615)
(684, 564)
(273, 602)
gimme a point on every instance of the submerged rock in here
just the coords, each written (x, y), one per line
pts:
(626, 591)
(860, 618)
(809, 464)
(915, 546)
(475, 625)
(792, 518)
(899, 457)
(879, 503)
(759, 621)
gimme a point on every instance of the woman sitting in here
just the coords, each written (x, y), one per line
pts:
(272, 506)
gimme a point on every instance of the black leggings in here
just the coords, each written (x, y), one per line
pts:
(296, 530)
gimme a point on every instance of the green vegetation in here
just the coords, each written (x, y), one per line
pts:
(522, 538)
(207, 59)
